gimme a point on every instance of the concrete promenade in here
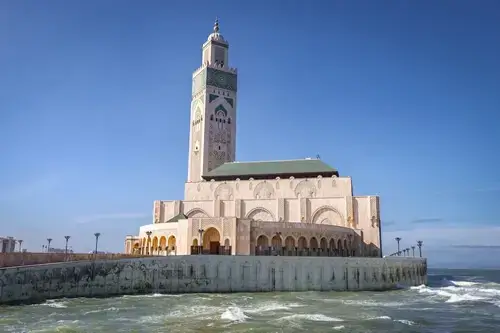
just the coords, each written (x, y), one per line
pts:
(206, 273)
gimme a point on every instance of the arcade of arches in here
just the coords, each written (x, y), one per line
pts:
(255, 238)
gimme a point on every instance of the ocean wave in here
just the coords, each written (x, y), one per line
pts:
(235, 314)
(54, 304)
(454, 291)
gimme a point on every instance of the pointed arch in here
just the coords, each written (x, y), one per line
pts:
(328, 215)
(196, 212)
(260, 214)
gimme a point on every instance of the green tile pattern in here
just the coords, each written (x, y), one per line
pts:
(271, 168)
(178, 217)
(229, 101)
(212, 98)
(220, 107)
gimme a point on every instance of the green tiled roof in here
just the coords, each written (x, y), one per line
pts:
(291, 167)
(178, 217)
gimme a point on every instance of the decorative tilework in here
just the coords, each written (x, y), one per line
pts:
(221, 108)
(212, 98)
(221, 79)
(229, 101)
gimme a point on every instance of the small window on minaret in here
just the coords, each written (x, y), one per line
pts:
(222, 63)
(229, 120)
(211, 117)
(219, 147)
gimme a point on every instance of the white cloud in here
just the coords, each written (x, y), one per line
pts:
(105, 217)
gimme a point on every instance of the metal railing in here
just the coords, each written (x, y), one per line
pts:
(220, 250)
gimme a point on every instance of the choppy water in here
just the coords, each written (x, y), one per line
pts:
(454, 301)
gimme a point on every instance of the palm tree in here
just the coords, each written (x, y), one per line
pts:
(66, 249)
(398, 239)
(49, 240)
(419, 244)
(97, 234)
(413, 249)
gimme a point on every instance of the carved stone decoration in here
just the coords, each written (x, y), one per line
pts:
(327, 215)
(198, 187)
(291, 182)
(375, 222)
(319, 181)
(196, 212)
(305, 189)
(250, 185)
(260, 214)
(278, 183)
(237, 184)
(223, 192)
(263, 190)
(212, 184)
(334, 182)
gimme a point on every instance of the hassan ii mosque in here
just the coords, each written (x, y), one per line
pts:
(293, 207)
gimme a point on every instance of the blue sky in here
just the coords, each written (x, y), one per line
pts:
(401, 95)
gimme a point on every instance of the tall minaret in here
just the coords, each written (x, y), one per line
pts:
(212, 135)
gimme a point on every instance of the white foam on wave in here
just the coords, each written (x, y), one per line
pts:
(310, 317)
(462, 291)
(270, 307)
(339, 327)
(406, 322)
(234, 313)
(111, 309)
(55, 304)
(380, 317)
(372, 303)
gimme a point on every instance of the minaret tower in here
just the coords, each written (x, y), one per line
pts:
(212, 138)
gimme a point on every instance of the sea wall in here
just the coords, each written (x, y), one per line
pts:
(206, 273)
(11, 259)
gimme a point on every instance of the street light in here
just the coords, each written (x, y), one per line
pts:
(66, 249)
(97, 234)
(278, 233)
(49, 240)
(149, 241)
(419, 244)
(408, 251)
(413, 249)
(398, 239)
(20, 241)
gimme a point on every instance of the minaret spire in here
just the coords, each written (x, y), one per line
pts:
(216, 25)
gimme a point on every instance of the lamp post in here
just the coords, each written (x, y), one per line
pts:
(419, 244)
(20, 241)
(413, 249)
(148, 243)
(66, 248)
(398, 239)
(408, 251)
(97, 234)
(49, 240)
(200, 231)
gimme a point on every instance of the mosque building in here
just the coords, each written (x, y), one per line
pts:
(290, 207)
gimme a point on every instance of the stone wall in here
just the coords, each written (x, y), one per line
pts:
(32, 258)
(188, 274)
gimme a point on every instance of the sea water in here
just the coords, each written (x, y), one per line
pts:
(453, 301)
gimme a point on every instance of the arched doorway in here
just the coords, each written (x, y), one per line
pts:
(313, 243)
(195, 242)
(211, 240)
(302, 243)
(155, 245)
(290, 243)
(323, 244)
(136, 248)
(163, 245)
(276, 241)
(171, 244)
